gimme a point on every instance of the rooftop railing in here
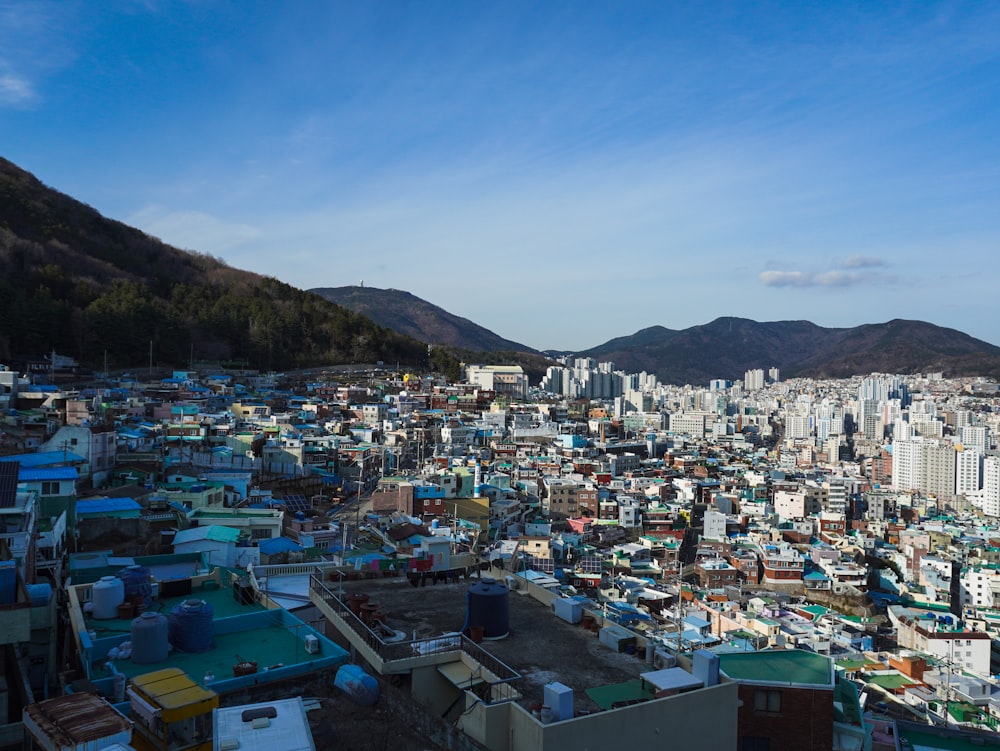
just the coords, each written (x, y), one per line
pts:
(497, 678)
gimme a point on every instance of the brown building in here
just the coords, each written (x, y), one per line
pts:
(790, 699)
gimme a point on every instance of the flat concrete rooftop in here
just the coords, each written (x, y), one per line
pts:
(540, 646)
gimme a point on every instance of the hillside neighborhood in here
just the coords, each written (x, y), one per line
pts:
(202, 558)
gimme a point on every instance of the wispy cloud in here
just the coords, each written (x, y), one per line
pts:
(862, 262)
(195, 230)
(16, 91)
(835, 278)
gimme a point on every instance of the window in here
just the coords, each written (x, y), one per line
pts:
(755, 743)
(260, 534)
(767, 700)
(50, 488)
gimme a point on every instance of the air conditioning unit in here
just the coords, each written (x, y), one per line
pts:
(312, 644)
(663, 660)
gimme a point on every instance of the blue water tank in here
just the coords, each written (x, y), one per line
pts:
(138, 582)
(488, 604)
(8, 582)
(191, 626)
(357, 684)
(39, 594)
(150, 638)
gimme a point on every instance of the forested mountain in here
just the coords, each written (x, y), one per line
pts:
(408, 314)
(92, 288)
(728, 347)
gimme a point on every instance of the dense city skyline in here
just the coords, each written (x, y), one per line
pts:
(671, 164)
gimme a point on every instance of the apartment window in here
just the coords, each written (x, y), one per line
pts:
(767, 700)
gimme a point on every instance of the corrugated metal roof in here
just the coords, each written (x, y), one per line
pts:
(43, 458)
(213, 532)
(106, 505)
(278, 545)
(47, 473)
(76, 719)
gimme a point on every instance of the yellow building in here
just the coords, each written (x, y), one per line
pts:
(171, 712)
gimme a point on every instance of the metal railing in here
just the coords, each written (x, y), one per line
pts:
(489, 691)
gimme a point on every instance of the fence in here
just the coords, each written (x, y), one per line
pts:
(489, 692)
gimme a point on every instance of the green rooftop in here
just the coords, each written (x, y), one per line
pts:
(892, 681)
(852, 664)
(814, 610)
(607, 697)
(268, 642)
(778, 666)
(932, 740)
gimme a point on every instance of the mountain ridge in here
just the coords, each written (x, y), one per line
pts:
(99, 291)
(413, 316)
(729, 346)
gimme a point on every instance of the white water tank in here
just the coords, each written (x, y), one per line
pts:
(107, 595)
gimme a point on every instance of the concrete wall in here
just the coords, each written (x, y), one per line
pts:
(433, 690)
(702, 720)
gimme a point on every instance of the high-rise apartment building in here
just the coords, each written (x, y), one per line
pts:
(753, 380)
(926, 465)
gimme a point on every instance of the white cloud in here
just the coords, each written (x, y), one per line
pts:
(862, 262)
(193, 230)
(811, 279)
(16, 91)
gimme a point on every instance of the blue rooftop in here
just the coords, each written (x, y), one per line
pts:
(46, 473)
(106, 505)
(45, 458)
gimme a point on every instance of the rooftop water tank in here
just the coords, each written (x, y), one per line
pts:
(191, 626)
(39, 594)
(357, 684)
(489, 606)
(149, 638)
(108, 593)
(8, 582)
(138, 582)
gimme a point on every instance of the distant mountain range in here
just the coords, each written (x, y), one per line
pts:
(725, 348)
(412, 316)
(728, 347)
(100, 291)
(97, 290)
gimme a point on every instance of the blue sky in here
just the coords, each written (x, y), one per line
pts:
(561, 173)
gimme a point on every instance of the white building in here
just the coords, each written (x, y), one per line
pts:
(504, 380)
(991, 486)
(924, 464)
(968, 470)
(714, 526)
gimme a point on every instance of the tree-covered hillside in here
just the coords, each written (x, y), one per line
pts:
(93, 288)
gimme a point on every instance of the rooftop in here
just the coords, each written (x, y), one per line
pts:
(779, 666)
(541, 647)
(243, 631)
